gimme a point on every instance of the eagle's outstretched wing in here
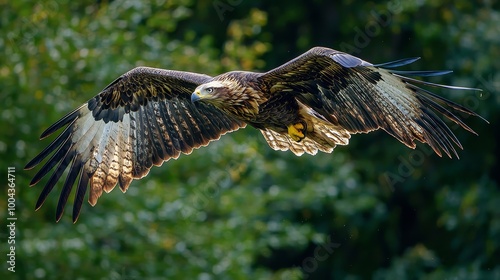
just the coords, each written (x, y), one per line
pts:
(359, 97)
(143, 118)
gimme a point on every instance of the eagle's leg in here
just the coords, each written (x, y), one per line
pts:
(297, 131)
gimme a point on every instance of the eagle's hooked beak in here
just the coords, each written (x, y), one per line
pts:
(195, 96)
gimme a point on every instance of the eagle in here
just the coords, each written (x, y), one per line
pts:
(312, 103)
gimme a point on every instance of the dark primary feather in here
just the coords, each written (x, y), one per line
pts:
(362, 97)
(141, 119)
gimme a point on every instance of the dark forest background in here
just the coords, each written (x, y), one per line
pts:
(237, 209)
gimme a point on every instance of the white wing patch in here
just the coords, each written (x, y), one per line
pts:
(106, 149)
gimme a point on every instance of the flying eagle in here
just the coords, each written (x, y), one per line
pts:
(312, 103)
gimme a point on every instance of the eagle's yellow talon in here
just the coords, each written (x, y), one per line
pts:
(296, 131)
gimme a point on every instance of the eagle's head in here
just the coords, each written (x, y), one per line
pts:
(213, 92)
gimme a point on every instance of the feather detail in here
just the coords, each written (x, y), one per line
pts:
(147, 116)
(141, 119)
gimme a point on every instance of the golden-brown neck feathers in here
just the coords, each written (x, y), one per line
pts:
(234, 95)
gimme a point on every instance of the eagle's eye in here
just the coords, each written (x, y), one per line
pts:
(209, 90)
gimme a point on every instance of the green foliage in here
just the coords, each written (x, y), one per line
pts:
(237, 209)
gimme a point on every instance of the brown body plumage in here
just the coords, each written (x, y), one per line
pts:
(311, 103)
